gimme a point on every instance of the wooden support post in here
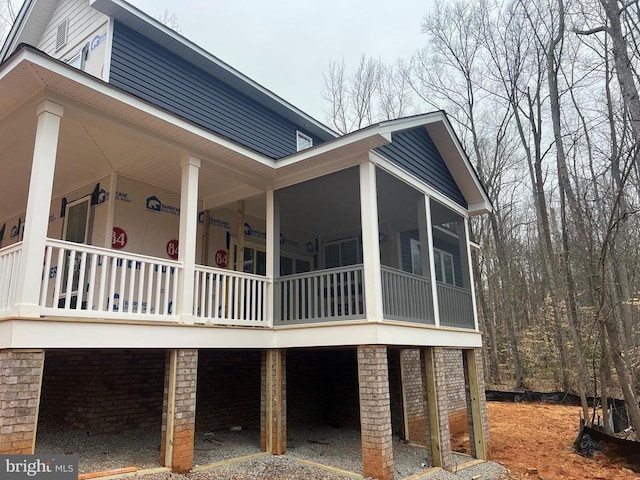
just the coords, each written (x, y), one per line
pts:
(432, 405)
(479, 443)
(274, 421)
(172, 367)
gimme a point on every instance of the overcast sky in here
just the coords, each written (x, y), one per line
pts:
(286, 45)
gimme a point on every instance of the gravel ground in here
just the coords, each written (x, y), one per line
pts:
(336, 448)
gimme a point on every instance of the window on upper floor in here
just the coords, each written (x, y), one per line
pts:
(445, 272)
(341, 253)
(303, 141)
(416, 257)
(78, 58)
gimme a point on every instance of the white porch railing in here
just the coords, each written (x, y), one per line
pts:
(87, 281)
(455, 306)
(406, 296)
(10, 260)
(322, 295)
(229, 298)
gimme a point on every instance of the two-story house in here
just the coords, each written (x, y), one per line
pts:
(183, 249)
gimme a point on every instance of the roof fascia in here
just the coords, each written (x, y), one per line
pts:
(372, 133)
(168, 38)
(478, 208)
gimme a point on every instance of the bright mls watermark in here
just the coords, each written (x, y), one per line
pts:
(47, 467)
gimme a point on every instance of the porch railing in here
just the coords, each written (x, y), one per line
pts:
(88, 281)
(455, 306)
(229, 298)
(406, 296)
(322, 295)
(10, 260)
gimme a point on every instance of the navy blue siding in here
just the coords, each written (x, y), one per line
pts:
(414, 151)
(153, 73)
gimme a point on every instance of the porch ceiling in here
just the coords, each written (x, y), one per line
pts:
(104, 130)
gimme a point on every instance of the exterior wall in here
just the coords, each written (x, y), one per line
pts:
(414, 151)
(395, 392)
(149, 216)
(456, 397)
(102, 391)
(228, 389)
(153, 73)
(20, 381)
(414, 398)
(12, 229)
(87, 26)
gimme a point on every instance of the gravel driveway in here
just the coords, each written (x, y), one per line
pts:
(337, 449)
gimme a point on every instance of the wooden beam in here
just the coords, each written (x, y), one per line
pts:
(432, 404)
(171, 408)
(476, 406)
(280, 445)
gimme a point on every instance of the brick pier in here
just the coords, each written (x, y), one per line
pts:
(375, 412)
(20, 386)
(179, 410)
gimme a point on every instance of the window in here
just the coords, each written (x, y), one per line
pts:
(444, 267)
(289, 265)
(416, 257)
(303, 141)
(254, 260)
(341, 253)
(78, 59)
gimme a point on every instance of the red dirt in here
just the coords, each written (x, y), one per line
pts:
(532, 436)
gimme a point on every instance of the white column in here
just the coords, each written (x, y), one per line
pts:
(188, 236)
(370, 242)
(273, 254)
(432, 263)
(43, 168)
(470, 272)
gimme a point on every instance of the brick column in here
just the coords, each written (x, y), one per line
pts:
(413, 397)
(179, 410)
(20, 385)
(273, 402)
(375, 412)
(477, 416)
(437, 403)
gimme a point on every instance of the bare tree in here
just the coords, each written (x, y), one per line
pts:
(8, 15)
(169, 19)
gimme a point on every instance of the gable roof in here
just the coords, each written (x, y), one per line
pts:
(35, 14)
(439, 129)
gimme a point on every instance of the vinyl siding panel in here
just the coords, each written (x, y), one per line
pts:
(414, 151)
(157, 75)
(83, 21)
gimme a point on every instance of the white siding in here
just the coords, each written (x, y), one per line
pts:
(83, 21)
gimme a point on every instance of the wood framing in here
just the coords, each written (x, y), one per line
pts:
(479, 444)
